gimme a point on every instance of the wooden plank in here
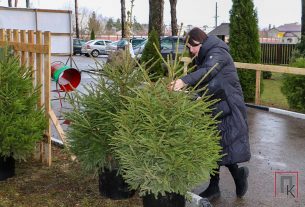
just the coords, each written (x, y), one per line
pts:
(26, 47)
(2, 35)
(186, 61)
(39, 68)
(16, 39)
(31, 54)
(47, 90)
(23, 53)
(258, 87)
(9, 35)
(271, 68)
(58, 127)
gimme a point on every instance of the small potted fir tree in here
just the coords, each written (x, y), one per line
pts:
(166, 142)
(21, 122)
(92, 123)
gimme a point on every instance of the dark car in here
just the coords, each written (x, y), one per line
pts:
(169, 46)
(77, 45)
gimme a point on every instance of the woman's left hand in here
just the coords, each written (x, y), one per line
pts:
(176, 85)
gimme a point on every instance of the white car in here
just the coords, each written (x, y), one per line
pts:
(95, 47)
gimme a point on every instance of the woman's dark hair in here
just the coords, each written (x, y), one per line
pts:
(197, 35)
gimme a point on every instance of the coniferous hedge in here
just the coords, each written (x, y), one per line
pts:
(244, 42)
(294, 86)
(151, 56)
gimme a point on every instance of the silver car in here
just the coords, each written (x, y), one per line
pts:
(112, 47)
(95, 47)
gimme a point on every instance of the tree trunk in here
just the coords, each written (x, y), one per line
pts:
(303, 23)
(9, 2)
(123, 18)
(76, 19)
(27, 3)
(156, 8)
(173, 4)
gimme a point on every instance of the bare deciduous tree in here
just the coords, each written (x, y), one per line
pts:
(173, 4)
(76, 20)
(123, 17)
(156, 8)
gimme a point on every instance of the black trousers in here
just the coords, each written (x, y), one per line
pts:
(233, 170)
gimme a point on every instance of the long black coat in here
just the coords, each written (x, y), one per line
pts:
(224, 84)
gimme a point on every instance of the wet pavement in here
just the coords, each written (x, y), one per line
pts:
(277, 146)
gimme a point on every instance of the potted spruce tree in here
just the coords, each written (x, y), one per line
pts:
(166, 142)
(92, 123)
(21, 122)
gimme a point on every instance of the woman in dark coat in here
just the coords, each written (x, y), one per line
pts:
(224, 84)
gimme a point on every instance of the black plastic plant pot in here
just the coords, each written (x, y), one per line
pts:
(113, 186)
(169, 200)
(7, 167)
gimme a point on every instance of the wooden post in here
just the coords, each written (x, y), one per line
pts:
(47, 90)
(258, 87)
(39, 83)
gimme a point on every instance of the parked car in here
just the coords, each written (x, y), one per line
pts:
(168, 46)
(95, 47)
(112, 47)
(77, 45)
(134, 41)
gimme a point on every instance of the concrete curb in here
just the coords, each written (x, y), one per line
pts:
(278, 111)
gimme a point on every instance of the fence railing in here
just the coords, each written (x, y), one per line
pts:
(258, 68)
(34, 50)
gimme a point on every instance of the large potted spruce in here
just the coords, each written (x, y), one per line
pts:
(21, 122)
(166, 142)
(92, 123)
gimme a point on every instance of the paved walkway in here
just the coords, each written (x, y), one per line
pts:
(277, 145)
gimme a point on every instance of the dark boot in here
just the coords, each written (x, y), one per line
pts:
(212, 192)
(240, 176)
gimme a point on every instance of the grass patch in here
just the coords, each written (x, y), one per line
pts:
(62, 184)
(272, 95)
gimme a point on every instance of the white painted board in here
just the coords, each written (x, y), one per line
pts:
(58, 22)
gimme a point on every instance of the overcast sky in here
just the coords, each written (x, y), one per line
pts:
(189, 12)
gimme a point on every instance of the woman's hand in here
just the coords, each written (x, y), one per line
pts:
(176, 85)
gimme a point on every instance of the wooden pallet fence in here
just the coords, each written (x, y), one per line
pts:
(34, 50)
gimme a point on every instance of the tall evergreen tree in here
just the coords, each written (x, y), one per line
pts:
(244, 42)
(156, 8)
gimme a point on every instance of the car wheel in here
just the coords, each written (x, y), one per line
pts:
(95, 53)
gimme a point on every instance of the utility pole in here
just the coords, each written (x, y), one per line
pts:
(216, 16)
